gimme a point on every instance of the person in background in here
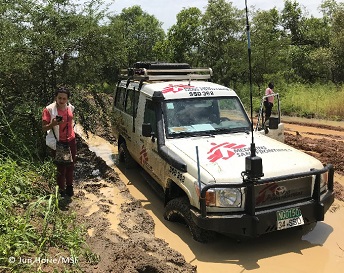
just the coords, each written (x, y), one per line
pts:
(269, 101)
(58, 116)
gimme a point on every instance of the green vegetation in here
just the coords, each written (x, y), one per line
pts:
(56, 42)
(309, 101)
(316, 101)
(32, 222)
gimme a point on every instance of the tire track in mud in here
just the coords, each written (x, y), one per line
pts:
(323, 142)
(120, 232)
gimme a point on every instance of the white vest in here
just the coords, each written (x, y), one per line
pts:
(50, 138)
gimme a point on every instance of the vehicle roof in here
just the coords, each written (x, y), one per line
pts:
(184, 89)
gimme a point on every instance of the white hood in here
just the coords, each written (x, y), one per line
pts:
(222, 157)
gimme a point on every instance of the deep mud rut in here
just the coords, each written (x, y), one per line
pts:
(120, 232)
(126, 231)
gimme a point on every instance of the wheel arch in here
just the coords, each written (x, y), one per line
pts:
(173, 190)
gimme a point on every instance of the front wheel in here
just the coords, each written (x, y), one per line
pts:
(178, 210)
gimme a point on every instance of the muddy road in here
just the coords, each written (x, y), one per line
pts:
(320, 250)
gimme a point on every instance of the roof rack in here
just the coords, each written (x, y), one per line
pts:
(166, 71)
(161, 65)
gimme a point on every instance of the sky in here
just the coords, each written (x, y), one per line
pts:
(166, 10)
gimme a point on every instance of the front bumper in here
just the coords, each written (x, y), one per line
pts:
(252, 223)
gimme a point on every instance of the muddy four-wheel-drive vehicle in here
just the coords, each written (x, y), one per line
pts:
(193, 136)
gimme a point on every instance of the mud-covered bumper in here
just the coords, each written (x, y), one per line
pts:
(263, 221)
(254, 222)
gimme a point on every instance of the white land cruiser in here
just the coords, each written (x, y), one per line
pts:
(193, 137)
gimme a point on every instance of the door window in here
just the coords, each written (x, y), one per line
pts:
(149, 116)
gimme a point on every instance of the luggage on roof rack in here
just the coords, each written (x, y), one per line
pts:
(156, 71)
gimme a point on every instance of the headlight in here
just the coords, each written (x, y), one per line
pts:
(230, 197)
(222, 197)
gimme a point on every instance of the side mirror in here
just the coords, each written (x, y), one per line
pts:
(146, 130)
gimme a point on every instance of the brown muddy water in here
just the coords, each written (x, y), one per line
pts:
(319, 251)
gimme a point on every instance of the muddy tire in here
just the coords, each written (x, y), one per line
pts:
(178, 210)
(124, 156)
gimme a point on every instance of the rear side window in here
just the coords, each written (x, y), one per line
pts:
(129, 105)
(132, 101)
(120, 98)
(127, 100)
(137, 95)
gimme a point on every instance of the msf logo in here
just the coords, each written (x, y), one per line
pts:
(143, 155)
(223, 151)
(175, 88)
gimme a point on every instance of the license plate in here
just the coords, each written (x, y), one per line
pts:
(289, 218)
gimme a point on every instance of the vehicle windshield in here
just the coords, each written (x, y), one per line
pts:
(203, 116)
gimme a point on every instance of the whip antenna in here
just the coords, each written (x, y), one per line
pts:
(253, 163)
(249, 66)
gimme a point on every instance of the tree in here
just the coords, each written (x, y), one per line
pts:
(43, 44)
(98, 47)
(328, 8)
(337, 45)
(224, 46)
(317, 61)
(308, 51)
(270, 46)
(141, 33)
(60, 44)
(184, 37)
(292, 21)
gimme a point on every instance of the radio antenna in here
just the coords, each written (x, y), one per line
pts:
(253, 163)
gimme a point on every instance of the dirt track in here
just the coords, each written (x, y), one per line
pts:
(323, 141)
(127, 233)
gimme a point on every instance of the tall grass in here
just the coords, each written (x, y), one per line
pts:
(316, 101)
(32, 222)
(311, 101)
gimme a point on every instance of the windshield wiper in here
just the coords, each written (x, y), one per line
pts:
(232, 130)
(183, 134)
(193, 134)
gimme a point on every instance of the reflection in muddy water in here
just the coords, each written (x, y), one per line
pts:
(319, 251)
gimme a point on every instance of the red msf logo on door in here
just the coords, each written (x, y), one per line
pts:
(175, 88)
(223, 151)
(143, 155)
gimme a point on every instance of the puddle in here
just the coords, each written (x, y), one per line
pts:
(112, 193)
(90, 232)
(90, 203)
(319, 251)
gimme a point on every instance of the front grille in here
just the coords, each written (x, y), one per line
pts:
(277, 193)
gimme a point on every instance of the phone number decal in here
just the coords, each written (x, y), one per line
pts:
(203, 91)
(200, 94)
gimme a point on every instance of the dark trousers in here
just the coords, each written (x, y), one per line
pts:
(65, 173)
(268, 109)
